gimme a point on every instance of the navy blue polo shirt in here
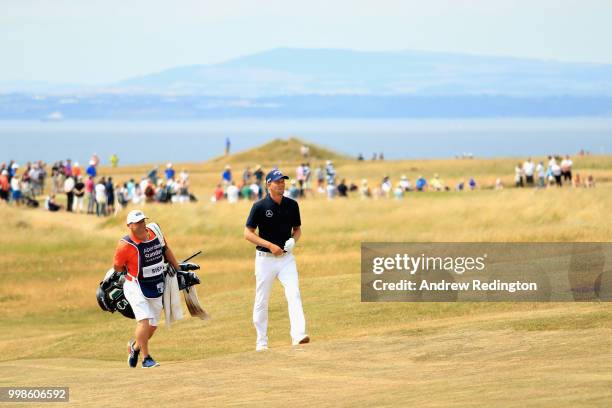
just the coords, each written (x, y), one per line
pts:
(275, 221)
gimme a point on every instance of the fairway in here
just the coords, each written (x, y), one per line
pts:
(52, 332)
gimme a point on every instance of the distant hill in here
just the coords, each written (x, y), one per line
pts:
(288, 71)
(330, 83)
(279, 151)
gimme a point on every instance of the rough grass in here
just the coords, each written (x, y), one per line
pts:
(397, 354)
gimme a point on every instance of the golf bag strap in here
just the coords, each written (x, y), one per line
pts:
(155, 228)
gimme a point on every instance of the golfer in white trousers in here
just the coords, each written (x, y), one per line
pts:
(278, 220)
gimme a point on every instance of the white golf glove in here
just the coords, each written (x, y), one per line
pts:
(289, 245)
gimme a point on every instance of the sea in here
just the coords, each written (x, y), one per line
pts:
(139, 142)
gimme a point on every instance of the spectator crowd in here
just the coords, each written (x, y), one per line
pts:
(85, 190)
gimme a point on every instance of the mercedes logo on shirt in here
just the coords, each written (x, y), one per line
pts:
(269, 213)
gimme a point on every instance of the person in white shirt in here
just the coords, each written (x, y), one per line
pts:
(255, 190)
(566, 169)
(518, 175)
(232, 193)
(405, 184)
(556, 172)
(16, 189)
(541, 175)
(101, 199)
(69, 190)
(528, 169)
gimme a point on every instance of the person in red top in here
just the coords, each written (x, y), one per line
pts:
(5, 186)
(142, 255)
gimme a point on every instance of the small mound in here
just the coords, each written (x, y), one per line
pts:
(280, 150)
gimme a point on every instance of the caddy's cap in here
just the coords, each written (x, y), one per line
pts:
(275, 175)
(135, 216)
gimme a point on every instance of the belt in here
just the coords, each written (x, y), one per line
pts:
(270, 254)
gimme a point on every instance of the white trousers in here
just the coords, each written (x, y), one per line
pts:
(267, 269)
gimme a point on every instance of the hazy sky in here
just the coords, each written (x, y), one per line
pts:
(94, 42)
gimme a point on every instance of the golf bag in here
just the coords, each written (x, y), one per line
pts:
(110, 294)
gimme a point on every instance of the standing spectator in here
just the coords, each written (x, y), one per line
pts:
(421, 183)
(101, 198)
(577, 181)
(436, 184)
(218, 193)
(149, 191)
(69, 190)
(114, 160)
(398, 192)
(245, 191)
(330, 171)
(184, 176)
(137, 194)
(528, 169)
(307, 179)
(37, 177)
(110, 196)
(331, 190)
(365, 190)
(541, 175)
(68, 169)
(566, 169)
(76, 170)
(320, 178)
(13, 168)
(255, 190)
(518, 175)
(228, 145)
(16, 189)
(232, 193)
(405, 184)
(300, 177)
(294, 191)
(5, 186)
(305, 151)
(91, 194)
(556, 172)
(57, 179)
(122, 195)
(226, 176)
(472, 183)
(590, 181)
(153, 175)
(91, 169)
(130, 187)
(246, 176)
(259, 175)
(386, 186)
(169, 171)
(342, 189)
(79, 193)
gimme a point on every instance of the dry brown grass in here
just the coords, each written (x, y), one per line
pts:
(411, 354)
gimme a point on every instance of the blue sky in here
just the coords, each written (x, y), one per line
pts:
(97, 42)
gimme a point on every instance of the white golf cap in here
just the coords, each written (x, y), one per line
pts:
(135, 216)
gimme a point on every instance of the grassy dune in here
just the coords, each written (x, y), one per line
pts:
(409, 354)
